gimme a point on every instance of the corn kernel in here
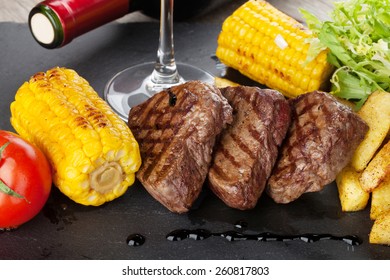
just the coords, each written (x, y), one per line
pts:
(60, 113)
(246, 43)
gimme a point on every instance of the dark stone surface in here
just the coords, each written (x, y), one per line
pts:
(66, 230)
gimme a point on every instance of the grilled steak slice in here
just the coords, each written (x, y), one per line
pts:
(176, 130)
(320, 142)
(248, 148)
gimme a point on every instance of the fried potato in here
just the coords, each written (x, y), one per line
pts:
(377, 170)
(380, 231)
(380, 200)
(376, 113)
(222, 82)
(352, 196)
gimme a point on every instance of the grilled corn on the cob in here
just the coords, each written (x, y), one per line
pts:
(92, 152)
(269, 47)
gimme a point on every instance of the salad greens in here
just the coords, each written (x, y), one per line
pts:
(358, 38)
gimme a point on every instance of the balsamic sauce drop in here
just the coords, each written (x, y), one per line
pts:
(172, 98)
(241, 224)
(239, 235)
(232, 235)
(135, 240)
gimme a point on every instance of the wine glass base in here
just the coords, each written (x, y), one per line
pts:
(130, 88)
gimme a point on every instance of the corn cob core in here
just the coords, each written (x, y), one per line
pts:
(270, 47)
(93, 154)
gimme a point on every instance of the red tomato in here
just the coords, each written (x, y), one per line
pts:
(25, 180)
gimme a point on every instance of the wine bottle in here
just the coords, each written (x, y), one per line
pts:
(55, 23)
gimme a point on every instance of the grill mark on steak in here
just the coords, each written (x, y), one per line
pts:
(320, 142)
(240, 144)
(230, 158)
(171, 156)
(220, 173)
(167, 142)
(254, 133)
(176, 141)
(247, 150)
(163, 126)
(149, 109)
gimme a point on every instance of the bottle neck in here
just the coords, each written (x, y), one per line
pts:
(54, 23)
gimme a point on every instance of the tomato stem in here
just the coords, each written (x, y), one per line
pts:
(3, 187)
(2, 148)
(7, 190)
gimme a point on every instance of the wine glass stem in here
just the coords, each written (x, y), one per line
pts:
(165, 71)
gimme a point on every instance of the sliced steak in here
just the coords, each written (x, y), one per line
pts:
(176, 130)
(248, 148)
(321, 140)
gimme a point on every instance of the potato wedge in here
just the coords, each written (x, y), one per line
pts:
(222, 82)
(376, 113)
(380, 200)
(380, 231)
(377, 170)
(352, 196)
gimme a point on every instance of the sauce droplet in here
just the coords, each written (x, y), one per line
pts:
(135, 240)
(196, 234)
(231, 235)
(241, 224)
(172, 97)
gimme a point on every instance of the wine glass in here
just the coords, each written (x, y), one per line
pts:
(136, 84)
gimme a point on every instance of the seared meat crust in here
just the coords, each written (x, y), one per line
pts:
(176, 130)
(320, 142)
(248, 148)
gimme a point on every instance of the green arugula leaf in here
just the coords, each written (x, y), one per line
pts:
(358, 38)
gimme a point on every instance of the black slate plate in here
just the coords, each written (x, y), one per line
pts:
(65, 230)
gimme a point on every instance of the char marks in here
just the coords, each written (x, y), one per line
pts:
(176, 130)
(158, 135)
(290, 147)
(320, 142)
(247, 150)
